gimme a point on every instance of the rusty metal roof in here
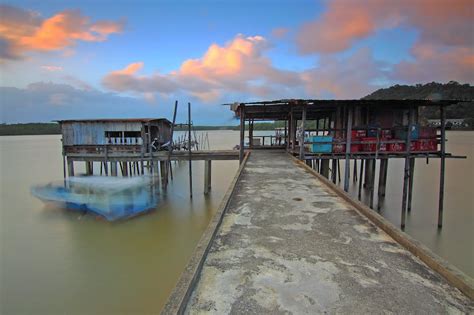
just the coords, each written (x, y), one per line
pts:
(115, 120)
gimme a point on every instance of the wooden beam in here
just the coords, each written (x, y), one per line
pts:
(348, 150)
(442, 166)
(189, 151)
(242, 133)
(303, 122)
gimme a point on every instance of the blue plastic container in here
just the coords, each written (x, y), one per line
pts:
(401, 132)
(324, 147)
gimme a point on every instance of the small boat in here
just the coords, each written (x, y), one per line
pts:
(110, 197)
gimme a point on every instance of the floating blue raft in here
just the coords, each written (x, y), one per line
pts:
(110, 197)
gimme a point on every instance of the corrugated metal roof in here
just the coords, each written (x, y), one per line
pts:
(115, 120)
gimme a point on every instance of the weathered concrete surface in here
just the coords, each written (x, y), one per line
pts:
(289, 245)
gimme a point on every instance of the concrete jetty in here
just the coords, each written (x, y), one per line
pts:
(287, 243)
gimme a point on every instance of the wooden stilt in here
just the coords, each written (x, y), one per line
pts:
(362, 162)
(382, 182)
(70, 167)
(406, 171)
(113, 168)
(354, 175)
(301, 140)
(372, 186)
(442, 166)
(334, 171)
(410, 183)
(189, 152)
(207, 176)
(348, 150)
(89, 168)
(242, 133)
(325, 168)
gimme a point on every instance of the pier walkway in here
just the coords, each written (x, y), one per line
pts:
(289, 244)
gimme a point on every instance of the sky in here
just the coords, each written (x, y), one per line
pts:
(124, 58)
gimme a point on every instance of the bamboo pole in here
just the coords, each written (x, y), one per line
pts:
(442, 167)
(189, 151)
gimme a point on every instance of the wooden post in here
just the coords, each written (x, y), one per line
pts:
(207, 176)
(286, 134)
(325, 168)
(442, 166)
(334, 171)
(70, 167)
(124, 169)
(170, 149)
(242, 133)
(354, 175)
(406, 172)
(251, 133)
(348, 149)
(382, 182)
(303, 122)
(89, 168)
(113, 168)
(372, 187)
(189, 151)
(106, 169)
(362, 162)
(292, 127)
(410, 183)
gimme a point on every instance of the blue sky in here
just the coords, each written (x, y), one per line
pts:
(210, 52)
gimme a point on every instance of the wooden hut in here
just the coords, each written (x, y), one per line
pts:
(322, 132)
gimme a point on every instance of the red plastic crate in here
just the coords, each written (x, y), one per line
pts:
(395, 147)
(359, 133)
(427, 145)
(341, 147)
(372, 147)
(427, 133)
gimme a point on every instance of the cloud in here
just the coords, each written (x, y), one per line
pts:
(439, 22)
(434, 63)
(239, 66)
(344, 77)
(23, 31)
(52, 68)
(42, 101)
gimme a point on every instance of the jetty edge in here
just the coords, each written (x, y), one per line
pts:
(182, 295)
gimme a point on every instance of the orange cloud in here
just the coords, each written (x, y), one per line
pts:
(236, 67)
(22, 31)
(130, 69)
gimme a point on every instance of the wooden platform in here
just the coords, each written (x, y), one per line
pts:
(287, 242)
(160, 156)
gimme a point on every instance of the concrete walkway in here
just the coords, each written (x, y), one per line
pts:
(287, 244)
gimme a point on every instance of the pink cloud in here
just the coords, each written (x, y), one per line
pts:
(239, 66)
(344, 22)
(344, 77)
(23, 31)
(52, 68)
(433, 63)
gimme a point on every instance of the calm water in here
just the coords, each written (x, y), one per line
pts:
(55, 262)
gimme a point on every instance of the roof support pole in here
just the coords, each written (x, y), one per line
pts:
(189, 153)
(242, 133)
(406, 176)
(301, 140)
(348, 149)
(442, 166)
